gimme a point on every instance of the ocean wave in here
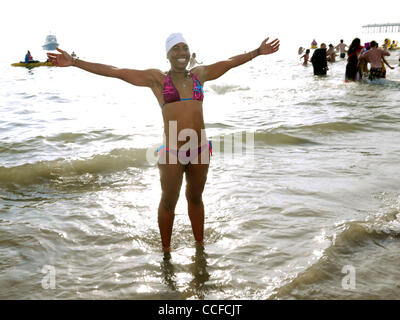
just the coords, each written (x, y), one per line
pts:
(334, 127)
(218, 125)
(259, 138)
(115, 160)
(270, 138)
(82, 138)
(355, 244)
(329, 127)
(222, 89)
(65, 137)
(383, 118)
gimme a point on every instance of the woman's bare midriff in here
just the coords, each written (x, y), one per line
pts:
(186, 115)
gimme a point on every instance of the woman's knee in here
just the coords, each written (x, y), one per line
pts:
(194, 196)
(169, 202)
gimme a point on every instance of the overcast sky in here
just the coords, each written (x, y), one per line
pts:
(217, 27)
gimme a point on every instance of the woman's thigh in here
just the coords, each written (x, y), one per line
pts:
(196, 177)
(171, 176)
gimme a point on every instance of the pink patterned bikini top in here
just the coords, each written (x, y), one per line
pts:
(171, 94)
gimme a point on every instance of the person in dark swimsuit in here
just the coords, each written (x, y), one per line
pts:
(319, 61)
(180, 95)
(352, 67)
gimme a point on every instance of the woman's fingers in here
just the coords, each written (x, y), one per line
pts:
(270, 47)
(274, 43)
(53, 57)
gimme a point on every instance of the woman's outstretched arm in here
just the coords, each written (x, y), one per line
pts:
(144, 78)
(216, 70)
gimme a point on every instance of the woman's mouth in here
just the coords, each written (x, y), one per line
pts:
(181, 60)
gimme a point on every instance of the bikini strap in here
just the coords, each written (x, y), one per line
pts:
(197, 88)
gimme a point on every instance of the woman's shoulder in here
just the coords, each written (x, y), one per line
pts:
(158, 75)
(199, 72)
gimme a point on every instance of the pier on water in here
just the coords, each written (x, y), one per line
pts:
(382, 28)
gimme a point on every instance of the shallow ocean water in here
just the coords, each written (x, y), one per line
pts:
(318, 194)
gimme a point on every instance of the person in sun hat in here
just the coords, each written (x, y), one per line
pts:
(180, 94)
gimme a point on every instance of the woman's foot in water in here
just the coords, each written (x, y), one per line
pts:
(167, 253)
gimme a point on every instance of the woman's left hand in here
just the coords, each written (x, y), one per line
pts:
(268, 48)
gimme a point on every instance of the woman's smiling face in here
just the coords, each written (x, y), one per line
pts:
(179, 56)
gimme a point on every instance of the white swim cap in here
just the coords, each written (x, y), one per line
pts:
(174, 39)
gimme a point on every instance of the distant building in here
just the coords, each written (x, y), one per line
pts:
(382, 28)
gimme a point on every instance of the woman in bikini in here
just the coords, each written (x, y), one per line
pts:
(180, 95)
(306, 57)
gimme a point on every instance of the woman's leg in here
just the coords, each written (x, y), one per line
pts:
(171, 182)
(196, 177)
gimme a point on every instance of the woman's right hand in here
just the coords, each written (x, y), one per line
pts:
(61, 60)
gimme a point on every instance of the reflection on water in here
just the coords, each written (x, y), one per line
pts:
(196, 288)
(168, 272)
(200, 274)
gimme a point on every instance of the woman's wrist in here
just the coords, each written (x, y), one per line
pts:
(74, 60)
(254, 53)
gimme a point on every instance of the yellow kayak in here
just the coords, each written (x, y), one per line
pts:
(32, 64)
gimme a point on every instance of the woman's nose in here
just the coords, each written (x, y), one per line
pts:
(182, 52)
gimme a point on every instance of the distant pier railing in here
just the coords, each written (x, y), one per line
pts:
(382, 28)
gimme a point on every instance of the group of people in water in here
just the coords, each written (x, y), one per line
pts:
(390, 45)
(331, 53)
(358, 58)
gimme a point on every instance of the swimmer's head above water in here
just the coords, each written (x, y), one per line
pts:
(178, 52)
